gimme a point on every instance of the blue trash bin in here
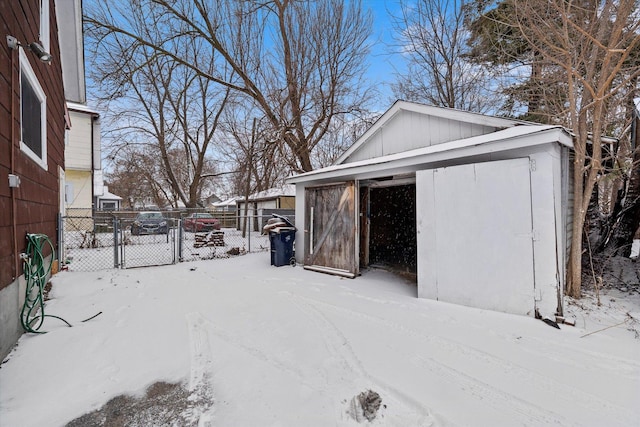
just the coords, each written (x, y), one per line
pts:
(281, 240)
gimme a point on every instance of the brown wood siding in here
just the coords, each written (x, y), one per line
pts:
(286, 202)
(331, 227)
(37, 198)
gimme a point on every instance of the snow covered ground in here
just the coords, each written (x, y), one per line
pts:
(289, 347)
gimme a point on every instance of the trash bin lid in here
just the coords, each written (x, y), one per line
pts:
(280, 229)
(284, 218)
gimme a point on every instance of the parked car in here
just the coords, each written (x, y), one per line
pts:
(150, 223)
(200, 222)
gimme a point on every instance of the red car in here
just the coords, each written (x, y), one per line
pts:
(200, 222)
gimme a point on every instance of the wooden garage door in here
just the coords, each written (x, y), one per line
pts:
(475, 242)
(330, 241)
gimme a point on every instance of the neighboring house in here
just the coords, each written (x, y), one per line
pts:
(85, 190)
(84, 184)
(208, 201)
(226, 212)
(32, 123)
(108, 201)
(476, 207)
(228, 205)
(263, 203)
(83, 172)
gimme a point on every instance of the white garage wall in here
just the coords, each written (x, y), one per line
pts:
(461, 243)
(475, 235)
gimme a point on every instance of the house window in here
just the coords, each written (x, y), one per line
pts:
(68, 193)
(109, 206)
(33, 114)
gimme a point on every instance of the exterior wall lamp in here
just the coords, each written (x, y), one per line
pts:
(34, 47)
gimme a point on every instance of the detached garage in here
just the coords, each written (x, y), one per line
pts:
(476, 208)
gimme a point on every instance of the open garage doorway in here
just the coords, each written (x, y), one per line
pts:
(388, 226)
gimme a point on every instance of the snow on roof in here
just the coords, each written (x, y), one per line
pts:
(511, 133)
(272, 193)
(74, 106)
(228, 202)
(109, 196)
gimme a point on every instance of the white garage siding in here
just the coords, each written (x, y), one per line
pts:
(491, 210)
(475, 235)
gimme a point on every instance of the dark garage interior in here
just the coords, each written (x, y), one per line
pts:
(392, 229)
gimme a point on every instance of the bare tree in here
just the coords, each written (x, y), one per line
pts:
(591, 42)
(164, 105)
(300, 61)
(433, 37)
(340, 136)
(135, 177)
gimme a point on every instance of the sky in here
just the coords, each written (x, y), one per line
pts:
(384, 59)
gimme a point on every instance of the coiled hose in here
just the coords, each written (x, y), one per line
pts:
(35, 273)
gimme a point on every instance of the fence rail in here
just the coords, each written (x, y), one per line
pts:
(112, 239)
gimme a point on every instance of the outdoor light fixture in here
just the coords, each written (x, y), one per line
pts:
(42, 54)
(34, 47)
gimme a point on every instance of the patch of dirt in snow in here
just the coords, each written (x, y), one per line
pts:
(163, 404)
(616, 272)
(365, 406)
(610, 294)
(605, 309)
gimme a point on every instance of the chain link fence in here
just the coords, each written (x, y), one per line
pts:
(126, 239)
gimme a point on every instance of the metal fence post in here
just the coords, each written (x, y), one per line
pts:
(122, 244)
(115, 242)
(60, 241)
(180, 238)
(249, 227)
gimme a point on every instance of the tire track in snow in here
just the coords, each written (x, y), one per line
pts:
(201, 366)
(337, 343)
(532, 379)
(259, 354)
(502, 401)
(600, 361)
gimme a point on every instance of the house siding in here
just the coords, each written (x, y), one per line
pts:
(78, 151)
(37, 198)
(81, 197)
(410, 130)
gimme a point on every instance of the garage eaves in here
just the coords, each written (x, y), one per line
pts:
(507, 139)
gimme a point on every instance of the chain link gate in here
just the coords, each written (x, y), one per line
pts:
(93, 241)
(142, 249)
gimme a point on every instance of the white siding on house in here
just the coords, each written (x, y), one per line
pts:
(97, 147)
(409, 130)
(69, 15)
(81, 185)
(78, 152)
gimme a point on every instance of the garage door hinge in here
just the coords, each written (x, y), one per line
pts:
(535, 235)
(532, 165)
(538, 296)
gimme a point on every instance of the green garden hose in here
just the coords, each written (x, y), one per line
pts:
(35, 274)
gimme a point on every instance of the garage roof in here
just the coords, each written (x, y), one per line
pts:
(409, 161)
